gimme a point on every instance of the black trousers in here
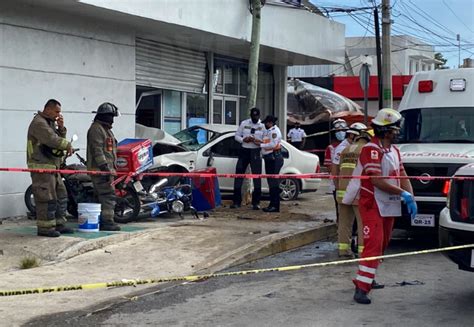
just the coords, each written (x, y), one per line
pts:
(273, 164)
(297, 144)
(253, 158)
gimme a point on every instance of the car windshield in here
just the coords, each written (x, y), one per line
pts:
(438, 125)
(194, 138)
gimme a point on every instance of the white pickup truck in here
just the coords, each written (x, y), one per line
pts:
(437, 137)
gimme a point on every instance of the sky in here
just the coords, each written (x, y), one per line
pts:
(434, 21)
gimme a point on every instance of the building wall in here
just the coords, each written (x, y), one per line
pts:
(80, 62)
(282, 28)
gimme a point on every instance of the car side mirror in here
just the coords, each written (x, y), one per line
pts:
(210, 160)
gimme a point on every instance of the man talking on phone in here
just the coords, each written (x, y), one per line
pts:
(249, 134)
(46, 147)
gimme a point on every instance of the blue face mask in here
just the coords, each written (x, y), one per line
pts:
(341, 135)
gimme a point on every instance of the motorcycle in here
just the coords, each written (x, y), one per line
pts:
(161, 199)
(131, 196)
(81, 190)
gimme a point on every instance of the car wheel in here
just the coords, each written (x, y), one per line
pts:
(289, 189)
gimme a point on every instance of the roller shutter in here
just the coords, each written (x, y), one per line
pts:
(169, 67)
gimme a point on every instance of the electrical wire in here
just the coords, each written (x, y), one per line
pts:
(455, 15)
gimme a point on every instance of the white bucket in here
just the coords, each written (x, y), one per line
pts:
(88, 216)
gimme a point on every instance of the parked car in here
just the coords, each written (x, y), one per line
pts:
(203, 146)
(456, 223)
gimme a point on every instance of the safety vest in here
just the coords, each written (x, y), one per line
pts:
(348, 162)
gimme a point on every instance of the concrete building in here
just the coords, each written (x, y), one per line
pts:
(164, 63)
(409, 55)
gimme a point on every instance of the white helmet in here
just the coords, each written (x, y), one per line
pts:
(339, 125)
(356, 128)
(388, 118)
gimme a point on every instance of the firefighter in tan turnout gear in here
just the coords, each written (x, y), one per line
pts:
(46, 148)
(351, 133)
(101, 155)
(349, 211)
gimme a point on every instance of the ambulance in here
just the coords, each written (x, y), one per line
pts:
(436, 138)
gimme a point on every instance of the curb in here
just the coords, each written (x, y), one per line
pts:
(267, 246)
(91, 245)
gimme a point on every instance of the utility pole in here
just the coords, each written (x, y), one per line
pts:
(252, 84)
(458, 38)
(256, 8)
(386, 50)
(379, 56)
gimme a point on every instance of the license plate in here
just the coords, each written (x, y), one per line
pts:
(138, 186)
(472, 258)
(423, 220)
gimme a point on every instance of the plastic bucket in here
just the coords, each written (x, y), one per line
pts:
(88, 214)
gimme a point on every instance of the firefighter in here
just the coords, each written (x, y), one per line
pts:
(349, 211)
(271, 152)
(380, 199)
(249, 134)
(101, 155)
(338, 133)
(350, 135)
(46, 148)
(297, 136)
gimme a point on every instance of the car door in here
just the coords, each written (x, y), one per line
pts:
(225, 154)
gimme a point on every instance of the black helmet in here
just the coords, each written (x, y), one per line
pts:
(107, 108)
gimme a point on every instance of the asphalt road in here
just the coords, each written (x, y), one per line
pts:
(426, 290)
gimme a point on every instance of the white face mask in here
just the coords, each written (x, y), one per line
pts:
(341, 135)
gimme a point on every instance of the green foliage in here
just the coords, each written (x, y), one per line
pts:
(439, 56)
(29, 262)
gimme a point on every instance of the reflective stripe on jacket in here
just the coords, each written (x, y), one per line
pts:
(348, 162)
(101, 146)
(43, 139)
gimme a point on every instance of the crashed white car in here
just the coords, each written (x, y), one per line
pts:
(204, 146)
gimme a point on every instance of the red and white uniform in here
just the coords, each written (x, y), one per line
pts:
(328, 157)
(377, 208)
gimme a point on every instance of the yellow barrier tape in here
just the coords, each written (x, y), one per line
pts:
(192, 278)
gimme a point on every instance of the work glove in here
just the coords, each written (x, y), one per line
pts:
(104, 167)
(409, 200)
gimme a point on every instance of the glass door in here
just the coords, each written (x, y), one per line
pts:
(225, 110)
(217, 111)
(230, 111)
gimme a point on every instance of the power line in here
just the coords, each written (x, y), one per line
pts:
(452, 11)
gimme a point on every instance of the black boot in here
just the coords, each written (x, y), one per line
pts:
(360, 296)
(110, 227)
(377, 286)
(48, 233)
(64, 230)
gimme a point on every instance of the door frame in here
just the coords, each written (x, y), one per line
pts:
(225, 98)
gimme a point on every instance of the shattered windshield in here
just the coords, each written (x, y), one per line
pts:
(437, 125)
(194, 138)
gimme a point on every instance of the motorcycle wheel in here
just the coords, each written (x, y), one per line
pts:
(29, 200)
(127, 207)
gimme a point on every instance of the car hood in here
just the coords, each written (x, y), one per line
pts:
(155, 134)
(437, 152)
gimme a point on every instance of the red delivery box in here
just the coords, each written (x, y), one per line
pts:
(134, 155)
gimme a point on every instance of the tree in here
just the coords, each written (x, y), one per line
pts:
(439, 56)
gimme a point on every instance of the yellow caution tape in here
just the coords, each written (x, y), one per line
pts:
(191, 278)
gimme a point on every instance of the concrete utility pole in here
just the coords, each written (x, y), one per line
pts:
(256, 7)
(379, 57)
(387, 51)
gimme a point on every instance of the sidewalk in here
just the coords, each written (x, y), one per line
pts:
(150, 249)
